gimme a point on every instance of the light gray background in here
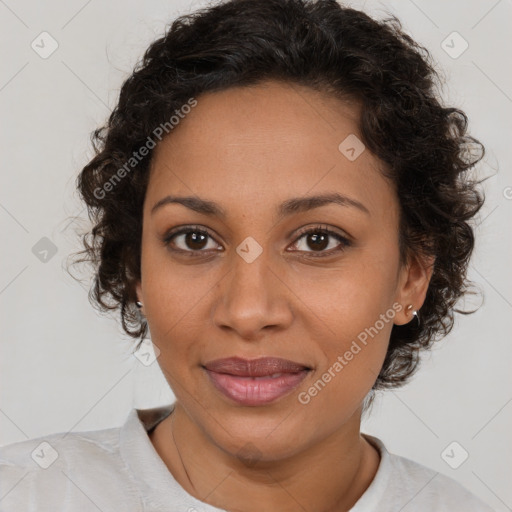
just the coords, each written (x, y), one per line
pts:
(64, 367)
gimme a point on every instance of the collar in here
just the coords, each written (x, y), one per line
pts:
(160, 489)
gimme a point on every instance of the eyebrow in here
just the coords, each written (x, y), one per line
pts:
(288, 207)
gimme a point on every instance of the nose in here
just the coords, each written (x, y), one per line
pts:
(252, 298)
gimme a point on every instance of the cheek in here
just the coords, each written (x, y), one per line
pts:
(356, 306)
(352, 350)
(172, 290)
(173, 296)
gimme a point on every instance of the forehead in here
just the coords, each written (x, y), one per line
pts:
(268, 142)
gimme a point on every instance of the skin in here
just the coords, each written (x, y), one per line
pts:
(249, 149)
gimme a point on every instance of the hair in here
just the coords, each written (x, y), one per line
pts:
(423, 144)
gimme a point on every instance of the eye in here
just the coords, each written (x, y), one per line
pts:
(320, 238)
(189, 239)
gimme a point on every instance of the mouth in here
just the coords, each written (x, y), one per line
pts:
(256, 381)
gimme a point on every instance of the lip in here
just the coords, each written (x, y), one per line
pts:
(255, 382)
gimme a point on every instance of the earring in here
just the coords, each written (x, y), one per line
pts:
(138, 304)
(414, 312)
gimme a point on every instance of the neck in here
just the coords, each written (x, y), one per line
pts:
(329, 476)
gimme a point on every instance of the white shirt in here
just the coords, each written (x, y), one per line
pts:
(119, 470)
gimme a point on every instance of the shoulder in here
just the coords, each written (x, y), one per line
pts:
(60, 449)
(50, 470)
(433, 489)
(409, 486)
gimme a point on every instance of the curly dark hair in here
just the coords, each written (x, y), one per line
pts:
(330, 48)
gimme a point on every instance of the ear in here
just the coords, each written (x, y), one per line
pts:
(413, 282)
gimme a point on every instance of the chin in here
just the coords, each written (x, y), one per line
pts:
(261, 433)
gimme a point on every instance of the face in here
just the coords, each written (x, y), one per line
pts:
(243, 279)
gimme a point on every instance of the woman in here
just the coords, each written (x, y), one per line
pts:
(282, 199)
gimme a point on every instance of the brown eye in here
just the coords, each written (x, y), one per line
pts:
(195, 240)
(189, 240)
(318, 240)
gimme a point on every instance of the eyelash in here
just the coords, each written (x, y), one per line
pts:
(344, 242)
